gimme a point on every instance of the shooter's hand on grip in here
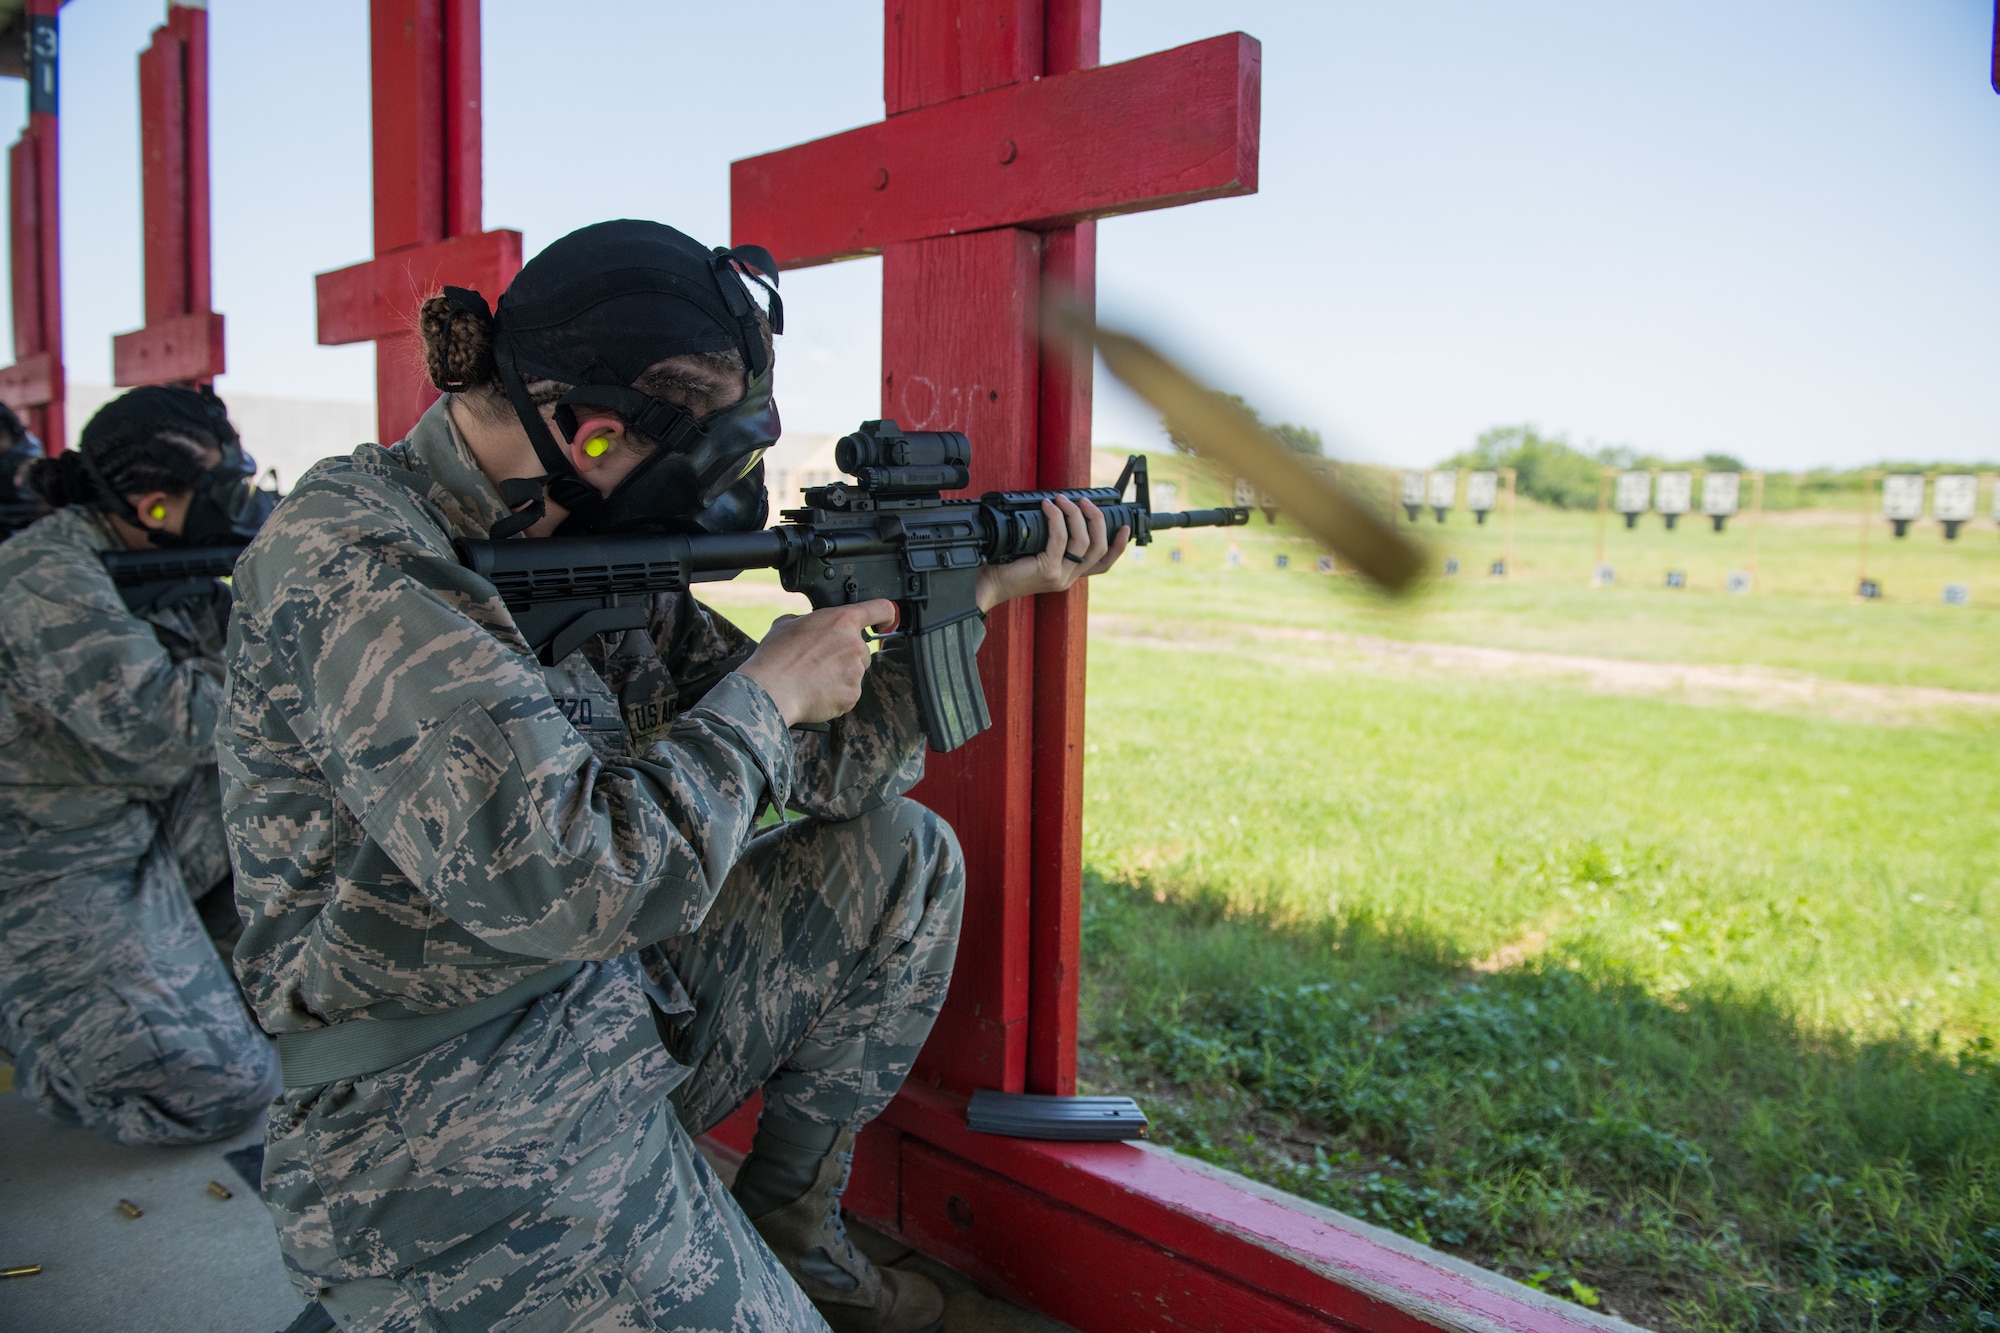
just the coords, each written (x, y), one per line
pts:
(1078, 547)
(812, 665)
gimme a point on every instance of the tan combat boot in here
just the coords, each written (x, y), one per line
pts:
(852, 1294)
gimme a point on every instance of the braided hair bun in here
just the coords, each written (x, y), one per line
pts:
(458, 344)
(62, 480)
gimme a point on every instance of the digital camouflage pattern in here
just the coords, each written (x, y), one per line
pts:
(117, 1011)
(420, 816)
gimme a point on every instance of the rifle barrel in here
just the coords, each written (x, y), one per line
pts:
(1201, 518)
(130, 568)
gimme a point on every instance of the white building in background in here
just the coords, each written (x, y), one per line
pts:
(289, 434)
(795, 462)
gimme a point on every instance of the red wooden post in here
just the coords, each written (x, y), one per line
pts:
(1001, 144)
(182, 340)
(424, 57)
(1055, 873)
(33, 385)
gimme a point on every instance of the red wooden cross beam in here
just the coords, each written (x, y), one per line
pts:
(33, 385)
(1000, 147)
(424, 58)
(182, 340)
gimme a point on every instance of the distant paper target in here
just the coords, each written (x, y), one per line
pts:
(1903, 499)
(1324, 564)
(1413, 493)
(1958, 594)
(1442, 491)
(1740, 581)
(1482, 491)
(1166, 496)
(1720, 494)
(1284, 562)
(1635, 490)
(1246, 493)
(1954, 499)
(1451, 564)
(1672, 495)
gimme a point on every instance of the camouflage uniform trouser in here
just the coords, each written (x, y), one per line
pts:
(816, 976)
(118, 1012)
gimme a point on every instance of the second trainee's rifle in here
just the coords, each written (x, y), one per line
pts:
(888, 533)
(149, 579)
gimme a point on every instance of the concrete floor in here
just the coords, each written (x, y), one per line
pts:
(196, 1264)
(191, 1264)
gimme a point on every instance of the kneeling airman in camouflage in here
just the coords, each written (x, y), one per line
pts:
(517, 925)
(117, 1008)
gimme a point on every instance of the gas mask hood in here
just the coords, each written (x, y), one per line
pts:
(595, 311)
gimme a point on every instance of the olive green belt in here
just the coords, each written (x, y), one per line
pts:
(363, 1046)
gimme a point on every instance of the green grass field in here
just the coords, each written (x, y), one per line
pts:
(1670, 997)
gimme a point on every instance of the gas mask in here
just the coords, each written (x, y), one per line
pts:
(14, 462)
(701, 475)
(228, 506)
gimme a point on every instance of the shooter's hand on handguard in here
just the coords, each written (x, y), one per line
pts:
(812, 665)
(1078, 547)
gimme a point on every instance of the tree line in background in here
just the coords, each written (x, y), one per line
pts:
(1550, 469)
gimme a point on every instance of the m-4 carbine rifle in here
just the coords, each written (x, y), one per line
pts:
(889, 533)
(149, 579)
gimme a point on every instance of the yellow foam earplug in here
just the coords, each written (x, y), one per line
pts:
(597, 447)
(158, 511)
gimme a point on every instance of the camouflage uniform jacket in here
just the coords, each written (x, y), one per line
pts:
(421, 815)
(102, 713)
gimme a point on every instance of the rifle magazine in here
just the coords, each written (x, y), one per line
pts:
(948, 690)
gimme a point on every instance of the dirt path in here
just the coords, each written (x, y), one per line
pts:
(1689, 682)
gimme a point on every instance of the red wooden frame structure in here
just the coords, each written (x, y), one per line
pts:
(424, 62)
(182, 340)
(1004, 141)
(33, 386)
(1001, 145)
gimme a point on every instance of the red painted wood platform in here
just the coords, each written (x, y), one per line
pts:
(1106, 1236)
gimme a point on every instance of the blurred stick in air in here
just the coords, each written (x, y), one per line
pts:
(1216, 429)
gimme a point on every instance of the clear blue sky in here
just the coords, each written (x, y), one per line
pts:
(1770, 229)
